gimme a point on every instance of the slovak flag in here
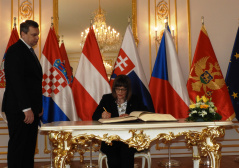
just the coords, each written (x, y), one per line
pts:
(90, 82)
(167, 86)
(58, 101)
(14, 37)
(128, 63)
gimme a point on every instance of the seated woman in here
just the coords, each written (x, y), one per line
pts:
(119, 103)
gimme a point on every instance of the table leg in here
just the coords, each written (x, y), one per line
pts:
(210, 147)
(196, 157)
(63, 149)
(214, 152)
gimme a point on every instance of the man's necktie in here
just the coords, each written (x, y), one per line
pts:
(35, 56)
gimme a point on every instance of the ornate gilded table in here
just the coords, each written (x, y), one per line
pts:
(66, 136)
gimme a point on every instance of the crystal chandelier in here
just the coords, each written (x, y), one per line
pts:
(108, 38)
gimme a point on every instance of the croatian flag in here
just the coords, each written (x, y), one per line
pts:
(167, 86)
(90, 82)
(66, 62)
(13, 39)
(128, 63)
(58, 101)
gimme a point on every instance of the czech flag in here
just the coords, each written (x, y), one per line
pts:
(167, 85)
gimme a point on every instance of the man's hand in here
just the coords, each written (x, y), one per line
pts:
(29, 117)
(40, 114)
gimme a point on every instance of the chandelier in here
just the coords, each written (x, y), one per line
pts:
(108, 38)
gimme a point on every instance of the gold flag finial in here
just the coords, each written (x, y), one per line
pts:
(202, 20)
(91, 22)
(15, 22)
(129, 20)
(52, 21)
(62, 40)
(166, 21)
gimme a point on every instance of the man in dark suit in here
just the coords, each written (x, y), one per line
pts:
(22, 100)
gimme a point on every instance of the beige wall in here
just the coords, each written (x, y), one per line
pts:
(221, 21)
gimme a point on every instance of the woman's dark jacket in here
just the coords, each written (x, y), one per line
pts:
(108, 102)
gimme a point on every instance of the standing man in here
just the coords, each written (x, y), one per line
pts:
(22, 100)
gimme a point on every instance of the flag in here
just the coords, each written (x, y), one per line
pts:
(13, 39)
(167, 86)
(90, 82)
(67, 63)
(206, 78)
(128, 63)
(58, 101)
(232, 79)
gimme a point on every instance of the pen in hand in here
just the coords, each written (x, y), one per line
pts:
(106, 114)
(105, 109)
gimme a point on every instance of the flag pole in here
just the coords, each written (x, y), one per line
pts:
(169, 162)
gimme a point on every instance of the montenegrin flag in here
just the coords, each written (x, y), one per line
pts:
(167, 86)
(14, 37)
(90, 82)
(206, 78)
(58, 101)
(128, 63)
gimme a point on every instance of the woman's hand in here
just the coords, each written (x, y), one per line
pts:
(124, 115)
(106, 115)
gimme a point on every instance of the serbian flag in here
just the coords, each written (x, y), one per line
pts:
(90, 82)
(66, 62)
(206, 78)
(167, 85)
(58, 101)
(14, 37)
(128, 63)
(232, 79)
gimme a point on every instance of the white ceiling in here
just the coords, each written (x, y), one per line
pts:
(75, 15)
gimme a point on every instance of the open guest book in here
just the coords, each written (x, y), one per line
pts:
(140, 115)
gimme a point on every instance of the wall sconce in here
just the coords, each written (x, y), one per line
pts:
(173, 33)
(158, 36)
(159, 33)
(157, 39)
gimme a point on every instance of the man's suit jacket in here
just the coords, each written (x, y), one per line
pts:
(23, 75)
(108, 102)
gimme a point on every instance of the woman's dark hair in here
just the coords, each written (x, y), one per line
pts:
(122, 81)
